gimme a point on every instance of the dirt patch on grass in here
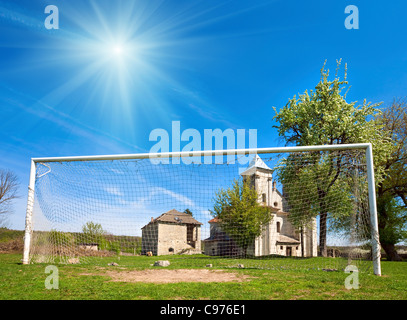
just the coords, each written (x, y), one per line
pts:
(172, 276)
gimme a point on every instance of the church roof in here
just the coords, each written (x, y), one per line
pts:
(256, 163)
(286, 239)
(174, 216)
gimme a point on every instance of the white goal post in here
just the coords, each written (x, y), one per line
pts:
(367, 147)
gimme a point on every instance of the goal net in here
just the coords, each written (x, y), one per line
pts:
(258, 208)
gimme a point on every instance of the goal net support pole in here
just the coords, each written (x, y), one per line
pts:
(373, 211)
(362, 146)
(28, 218)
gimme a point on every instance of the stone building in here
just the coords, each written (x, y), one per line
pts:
(279, 236)
(171, 233)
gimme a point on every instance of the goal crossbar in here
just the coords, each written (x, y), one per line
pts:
(205, 153)
(361, 146)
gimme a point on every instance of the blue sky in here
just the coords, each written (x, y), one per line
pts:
(208, 64)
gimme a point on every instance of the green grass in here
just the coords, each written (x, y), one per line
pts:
(27, 282)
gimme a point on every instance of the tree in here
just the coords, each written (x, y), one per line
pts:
(392, 190)
(59, 239)
(392, 216)
(187, 211)
(240, 214)
(313, 181)
(323, 117)
(93, 232)
(8, 192)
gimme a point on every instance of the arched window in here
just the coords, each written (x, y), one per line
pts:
(278, 226)
(264, 198)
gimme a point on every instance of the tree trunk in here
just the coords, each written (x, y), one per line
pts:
(323, 216)
(322, 234)
(391, 252)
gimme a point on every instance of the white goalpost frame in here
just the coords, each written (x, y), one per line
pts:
(364, 146)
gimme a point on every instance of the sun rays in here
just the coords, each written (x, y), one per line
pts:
(125, 66)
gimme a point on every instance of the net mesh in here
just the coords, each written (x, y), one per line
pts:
(296, 210)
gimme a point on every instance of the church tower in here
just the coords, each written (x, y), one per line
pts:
(279, 236)
(260, 176)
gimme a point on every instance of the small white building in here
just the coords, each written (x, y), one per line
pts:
(279, 236)
(89, 246)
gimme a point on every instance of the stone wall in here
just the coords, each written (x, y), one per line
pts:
(149, 238)
(172, 239)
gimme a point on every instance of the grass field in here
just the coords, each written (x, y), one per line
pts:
(90, 282)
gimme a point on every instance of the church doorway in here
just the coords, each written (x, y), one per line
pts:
(288, 252)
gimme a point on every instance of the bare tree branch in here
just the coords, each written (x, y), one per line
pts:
(8, 192)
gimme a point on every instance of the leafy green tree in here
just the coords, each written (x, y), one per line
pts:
(392, 190)
(312, 182)
(324, 117)
(241, 215)
(93, 232)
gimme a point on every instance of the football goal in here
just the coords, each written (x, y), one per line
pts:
(310, 207)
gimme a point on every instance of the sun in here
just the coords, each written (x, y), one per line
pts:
(117, 50)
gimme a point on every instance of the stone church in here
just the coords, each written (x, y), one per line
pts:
(279, 236)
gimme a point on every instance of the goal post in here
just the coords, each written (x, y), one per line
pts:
(373, 211)
(29, 212)
(46, 167)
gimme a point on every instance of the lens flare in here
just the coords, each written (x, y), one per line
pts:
(118, 50)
